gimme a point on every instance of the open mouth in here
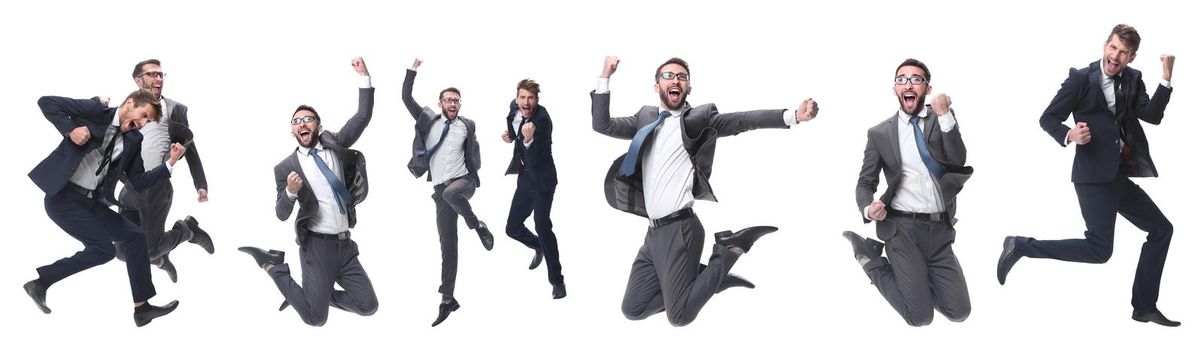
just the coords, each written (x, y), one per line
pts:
(304, 134)
(1112, 65)
(909, 98)
(675, 94)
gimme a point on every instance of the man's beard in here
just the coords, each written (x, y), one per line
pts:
(668, 104)
(919, 105)
(313, 140)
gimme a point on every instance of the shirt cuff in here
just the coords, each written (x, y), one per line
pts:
(1166, 83)
(365, 81)
(947, 121)
(290, 194)
(865, 213)
(788, 118)
(1066, 139)
(169, 167)
(603, 86)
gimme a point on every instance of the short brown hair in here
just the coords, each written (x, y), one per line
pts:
(143, 97)
(529, 85)
(1127, 35)
(138, 67)
(450, 89)
(916, 63)
(311, 110)
(673, 60)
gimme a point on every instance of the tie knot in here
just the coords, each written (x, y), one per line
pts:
(447, 121)
(913, 120)
(313, 151)
(665, 114)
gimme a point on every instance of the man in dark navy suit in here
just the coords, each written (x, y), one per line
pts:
(530, 125)
(78, 179)
(1107, 98)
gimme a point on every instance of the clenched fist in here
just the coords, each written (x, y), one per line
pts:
(941, 103)
(80, 135)
(806, 111)
(294, 182)
(609, 66)
(528, 132)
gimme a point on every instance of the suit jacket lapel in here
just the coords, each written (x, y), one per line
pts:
(1094, 87)
(892, 134)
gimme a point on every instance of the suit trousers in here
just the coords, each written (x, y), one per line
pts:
(529, 199)
(666, 275)
(149, 209)
(97, 227)
(451, 201)
(1099, 203)
(922, 272)
(326, 262)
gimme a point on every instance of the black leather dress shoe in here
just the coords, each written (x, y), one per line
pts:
(1154, 316)
(444, 310)
(743, 239)
(199, 236)
(264, 257)
(1007, 259)
(536, 260)
(867, 247)
(37, 291)
(166, 265)
(734, 280)
(141, 318)
(486, 236)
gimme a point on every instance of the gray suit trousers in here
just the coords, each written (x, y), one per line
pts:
(148, 209)
(452, 201)
(324, 263)
(922, 273)
(666, 275)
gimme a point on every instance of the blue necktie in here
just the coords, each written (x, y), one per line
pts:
(637, 142)
(341, 195)
(430, 152)
(933, 167)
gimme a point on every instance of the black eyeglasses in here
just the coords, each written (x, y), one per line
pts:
(450, 100)
(303, 119)
(154, 74)
(914, 80)
(670, 75)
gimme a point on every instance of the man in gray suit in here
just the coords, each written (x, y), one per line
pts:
(922, 154)
(667, 166)
(329, 180)
(446, 150)
(149, 208)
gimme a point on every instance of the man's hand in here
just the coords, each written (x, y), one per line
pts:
(360, 67)
(806, 111)
(609, 66)
(1080, 134)
(528, 132)
(202, 195)
(941, 103)
(177, 151)
(1168, 65)
(877, 211)
(506, 137)
(294, 182)
(417, 62)
(79, 135)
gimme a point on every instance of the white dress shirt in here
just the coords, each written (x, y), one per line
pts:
(448, 161)
(327, 218)
(917, 192)
(85, 175)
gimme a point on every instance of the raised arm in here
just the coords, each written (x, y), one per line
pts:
(407, 90)
(623, 127)
(351, 131)
(540, 148)
(64, 114)
(1064, 102)
(1151, 110)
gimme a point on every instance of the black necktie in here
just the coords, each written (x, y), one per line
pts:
(108, 152)
(1120, 105)
(519, 132)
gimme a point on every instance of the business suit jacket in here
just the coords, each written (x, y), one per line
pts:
(424, 117)
(353, 168)
(882, 154)
(535, 160)
(702, 126)
(55, 171)
(1080, 94)
(180, 132)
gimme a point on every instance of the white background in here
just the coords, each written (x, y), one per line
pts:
(243, 66)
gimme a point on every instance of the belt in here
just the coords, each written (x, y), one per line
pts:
(71, 186)
(449, 181)
(671, 218)
(934, 217)
(331, 236)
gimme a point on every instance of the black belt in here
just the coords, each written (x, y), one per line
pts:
(71, 186)
(449, 181)
(934, 217)
(331, 236)
(672, 217)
